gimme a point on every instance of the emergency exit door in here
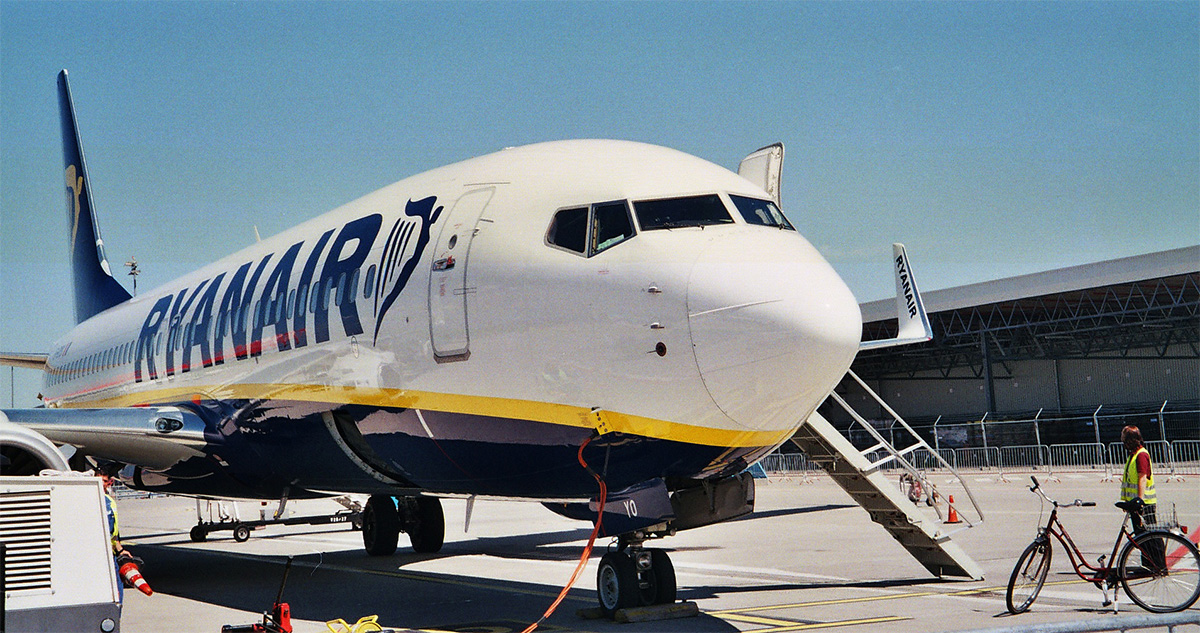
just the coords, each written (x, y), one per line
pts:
(449, 289)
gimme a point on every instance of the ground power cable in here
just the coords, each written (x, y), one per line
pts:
(587, 550)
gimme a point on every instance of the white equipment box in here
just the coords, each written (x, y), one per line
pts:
(57, 568)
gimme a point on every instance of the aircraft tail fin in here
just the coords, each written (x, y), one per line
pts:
(913, 322)
(95, 288)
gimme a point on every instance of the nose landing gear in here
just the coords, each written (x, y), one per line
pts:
(632, 576)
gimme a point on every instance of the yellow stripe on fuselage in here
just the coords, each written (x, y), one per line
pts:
(507, 408)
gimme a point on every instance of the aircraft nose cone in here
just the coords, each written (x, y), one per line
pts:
(773, 326)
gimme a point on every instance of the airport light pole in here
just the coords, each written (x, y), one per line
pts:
(133, 272)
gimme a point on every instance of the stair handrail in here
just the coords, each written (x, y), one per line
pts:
(907, 465)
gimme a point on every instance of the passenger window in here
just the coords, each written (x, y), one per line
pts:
(569, 230)
(674, 213)
(369, 282)
(610, 225)
(301, 300)
(761, 212)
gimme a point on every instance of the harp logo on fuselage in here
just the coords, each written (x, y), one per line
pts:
(263, 300)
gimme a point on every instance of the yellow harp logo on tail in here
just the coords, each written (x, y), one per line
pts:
(75, 184)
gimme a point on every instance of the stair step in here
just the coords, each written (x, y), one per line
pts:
(880, 496)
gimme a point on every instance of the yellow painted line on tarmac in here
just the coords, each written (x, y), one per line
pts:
(818, 603)
(895, 596)
(969, 592)
(753, 619)
(830, 625)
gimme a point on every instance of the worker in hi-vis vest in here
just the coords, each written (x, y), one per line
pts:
(1138, 479)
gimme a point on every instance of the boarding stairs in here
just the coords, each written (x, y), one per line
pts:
(918, 527)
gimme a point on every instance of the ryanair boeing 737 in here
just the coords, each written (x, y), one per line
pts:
(474, 330)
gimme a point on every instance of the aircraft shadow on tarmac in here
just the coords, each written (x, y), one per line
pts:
(350, 584)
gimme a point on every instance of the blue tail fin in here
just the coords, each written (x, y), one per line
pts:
(95, 288)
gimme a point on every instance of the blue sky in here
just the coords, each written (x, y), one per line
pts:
(994, 139)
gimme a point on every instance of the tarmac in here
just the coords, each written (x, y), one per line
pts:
(808, 558)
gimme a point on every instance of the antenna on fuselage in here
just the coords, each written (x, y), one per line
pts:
(133, 272)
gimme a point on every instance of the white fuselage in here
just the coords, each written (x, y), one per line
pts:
(444, 315)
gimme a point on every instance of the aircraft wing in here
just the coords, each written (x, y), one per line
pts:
(154, 437)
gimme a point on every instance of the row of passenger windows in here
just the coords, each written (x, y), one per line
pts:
(92, 363)
(591, 230)
(298, 301)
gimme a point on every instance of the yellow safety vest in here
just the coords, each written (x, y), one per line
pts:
(114, 530)
(1129, 484)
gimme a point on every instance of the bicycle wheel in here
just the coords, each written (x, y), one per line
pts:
(1028, 576)
(1160, 571)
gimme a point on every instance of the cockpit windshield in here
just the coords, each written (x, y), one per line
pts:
(761, 212)
(673, 213)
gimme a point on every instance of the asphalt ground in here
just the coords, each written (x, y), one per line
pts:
(808, 558)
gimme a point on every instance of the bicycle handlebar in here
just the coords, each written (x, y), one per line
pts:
(1037, 487)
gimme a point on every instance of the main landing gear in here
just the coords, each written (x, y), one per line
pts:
(384, 518)
(632, 576)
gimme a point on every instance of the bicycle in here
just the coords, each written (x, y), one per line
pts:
(1166, 579)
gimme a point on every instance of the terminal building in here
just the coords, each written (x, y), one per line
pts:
(1082, 350)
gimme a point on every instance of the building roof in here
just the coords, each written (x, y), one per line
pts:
(1113, 272)
(1147, 305)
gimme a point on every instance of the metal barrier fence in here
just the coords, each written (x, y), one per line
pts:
(1027, 457)
(1187, 457)
(1177, 458)
(788, 463)
(978, 458)
(1160, 453)
(1077, 456)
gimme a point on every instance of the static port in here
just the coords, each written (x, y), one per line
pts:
(660, 349)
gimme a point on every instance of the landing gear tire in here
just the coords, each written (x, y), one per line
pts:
(427, 531)
(380, 526)
(198, 534)
(241, 533)
(617, 583)
(661, 577)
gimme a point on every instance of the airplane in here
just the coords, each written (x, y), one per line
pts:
(497, 327)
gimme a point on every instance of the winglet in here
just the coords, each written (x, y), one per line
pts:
(764, 167)
(912, 320)
(95, 288)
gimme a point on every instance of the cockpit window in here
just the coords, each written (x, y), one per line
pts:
(569, 230)
(610, 225)
(588, 231)
(674, 213)
(761, 212)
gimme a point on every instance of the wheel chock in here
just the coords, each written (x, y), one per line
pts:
(656, 612)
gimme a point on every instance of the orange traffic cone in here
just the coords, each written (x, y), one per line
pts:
(952, 515)
(133, 578)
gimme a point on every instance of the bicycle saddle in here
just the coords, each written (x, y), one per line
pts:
(1133, 506)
